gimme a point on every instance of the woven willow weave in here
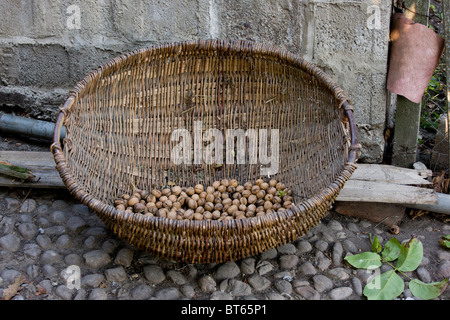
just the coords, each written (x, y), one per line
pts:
(119, 120)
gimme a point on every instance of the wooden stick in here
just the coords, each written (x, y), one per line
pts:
(15, 171)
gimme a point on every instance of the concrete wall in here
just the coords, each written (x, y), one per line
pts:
(46, 46)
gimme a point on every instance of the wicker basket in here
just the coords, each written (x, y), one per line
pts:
(119, 120)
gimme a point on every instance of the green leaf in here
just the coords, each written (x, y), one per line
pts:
(391, 250)
(427, 291)
(365, 260)
(410, 256)
(445, 241)
(281, 193)
(386, 286)
(376, 245)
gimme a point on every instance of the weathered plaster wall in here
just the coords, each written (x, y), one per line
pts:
(47, 46)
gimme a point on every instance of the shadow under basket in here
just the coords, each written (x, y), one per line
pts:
(121, 121)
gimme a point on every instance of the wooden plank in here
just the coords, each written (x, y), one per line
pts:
(41, 164)
(390, 174)
(369, 183)
(370, 191)
(48, 179)
(29, 159)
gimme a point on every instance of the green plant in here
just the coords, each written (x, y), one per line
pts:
(434, 100)
(389, 285)
(281, 193)
(445, 241)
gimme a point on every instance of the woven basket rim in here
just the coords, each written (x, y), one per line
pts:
(218, 46)
(243, 46)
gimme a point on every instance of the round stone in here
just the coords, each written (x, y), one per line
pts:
(240, 288)
(338, 274)
(303, 246)
(307, 269)
(44, 241)
(423, 275)
(221, 295)
(167, 294)
(73, 259)
(321, 245)
(288, 248)
(117, 274)
(258, 282)
(207, 283)
(341, 293)
(269, 254)
(188, 291)
(338, 250)
(353, 228)
(9, 275)
(98, 294)
(349, 246)
(96, 259)
(322, 283)
(288, 261)
(248, 266)
(357, 286)
(58, 217)
(63, 242)
(50, 257)
(264, 267)
(307, 293)
(274, 296)
(444, 269)
(64, 292)
(76, 224)
(335, 225)
(154, 274)
(176, 277)
(283, 286)
(227, 271)
(10, 242)
(29, 205)
(32, 250)
(124, 257)
(92, 280)
(12, 204)
(49, 271)
(28, 230)
(141, 292)
(59, 204)
(322, 262)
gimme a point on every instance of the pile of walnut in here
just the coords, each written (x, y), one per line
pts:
(224, 200)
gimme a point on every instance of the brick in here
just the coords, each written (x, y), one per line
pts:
(156, 21)
(273, 22)
(43, 66)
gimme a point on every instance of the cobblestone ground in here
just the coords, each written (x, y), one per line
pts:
(64, 252)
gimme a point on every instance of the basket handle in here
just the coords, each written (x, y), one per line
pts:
(60, 122)
(355, 147)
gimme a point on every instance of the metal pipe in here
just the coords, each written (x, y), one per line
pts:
(443, 206)
(29, 127)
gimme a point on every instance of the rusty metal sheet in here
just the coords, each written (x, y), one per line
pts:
(415, 52)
